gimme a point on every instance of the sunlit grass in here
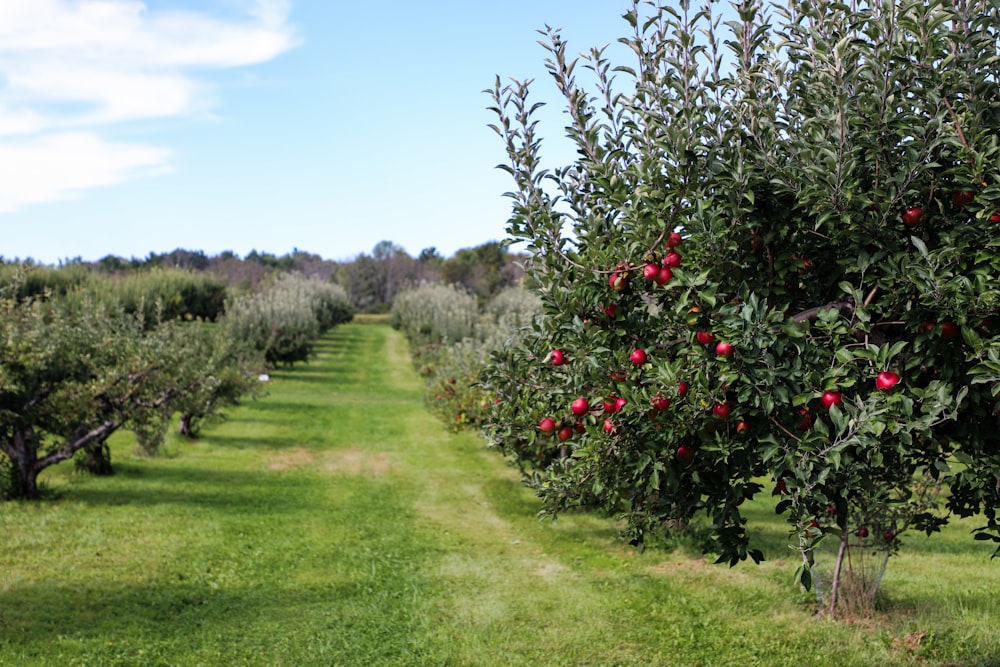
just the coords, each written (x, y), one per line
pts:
(335, 522)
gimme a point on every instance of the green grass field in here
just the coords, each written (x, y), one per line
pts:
(335, 522)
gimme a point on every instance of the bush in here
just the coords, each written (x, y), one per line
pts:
(451, 341)
(284, 320)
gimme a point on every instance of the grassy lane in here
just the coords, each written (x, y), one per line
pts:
(334, 522)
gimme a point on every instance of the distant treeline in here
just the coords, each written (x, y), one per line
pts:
(370, 280)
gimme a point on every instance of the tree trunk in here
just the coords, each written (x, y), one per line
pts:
(98, 459)
(187, 426)
(23, 453)
(838, 569)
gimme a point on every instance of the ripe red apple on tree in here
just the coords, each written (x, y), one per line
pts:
(686, 453)
(565, 433)
(580, 407)
(862, 532)
(672, 260)
(831, 398)
(618, 280)
(547, 426)
(661, 402)
(949, 330)
(651, 271)
(742, 426)
(638, 357)
(723, 349)
(666, 275)
(705, 337)
(609, 427)
(620, 403)
(610, 310)
(682, 389)
(558, 358)
(963, 198)
(886, 380)
(913, 216)
(722, 410)
(674, 240)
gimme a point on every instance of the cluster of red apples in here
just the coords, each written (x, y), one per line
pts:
(661, 273)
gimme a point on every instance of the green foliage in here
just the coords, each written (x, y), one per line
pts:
(283, 320)
(834, 197)
(161, 293)
(432, 313)
(451, 341)
(43, 281)
(73, 373)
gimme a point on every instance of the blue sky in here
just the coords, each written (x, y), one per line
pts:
(131, 127)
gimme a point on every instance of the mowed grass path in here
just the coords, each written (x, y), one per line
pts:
(336, 522)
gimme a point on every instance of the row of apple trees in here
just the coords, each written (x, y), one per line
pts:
(85, 360)
(772, 268)
(451, 338)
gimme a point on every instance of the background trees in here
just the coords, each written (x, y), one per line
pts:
(764, 218)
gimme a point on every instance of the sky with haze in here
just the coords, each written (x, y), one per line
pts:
(129, 127)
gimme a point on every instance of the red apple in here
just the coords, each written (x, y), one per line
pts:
(547, 426)
(686, 453)
(963, 198)
(831, 398)
(609, 427)
(889, 536)
(610, 310)
(565, 433)
(672, 259)
(705, 337)
(661, 402)
(666, 275)
(949, 330)
(886, 380)
(723, 349)
(638, 357)
(862, 532)
(682, 389)
(620, 403)
(722, 410)
(580, 407)
(651, 271)
(611, 405)
(742, 426)
(913, 216)
(558, 358)
(995, 217)
(781, 487)
(674, 240)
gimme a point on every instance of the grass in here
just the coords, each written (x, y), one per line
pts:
(335, 522)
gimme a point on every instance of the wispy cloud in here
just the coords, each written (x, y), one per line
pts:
(69, 69)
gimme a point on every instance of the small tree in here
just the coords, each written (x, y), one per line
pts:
(775, 257)
(72, 374)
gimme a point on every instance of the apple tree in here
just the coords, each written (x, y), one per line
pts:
(772, 268)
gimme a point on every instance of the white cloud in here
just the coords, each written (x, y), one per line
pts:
(62, 165)
(70, 68)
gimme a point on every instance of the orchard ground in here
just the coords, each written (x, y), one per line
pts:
(336, 522)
